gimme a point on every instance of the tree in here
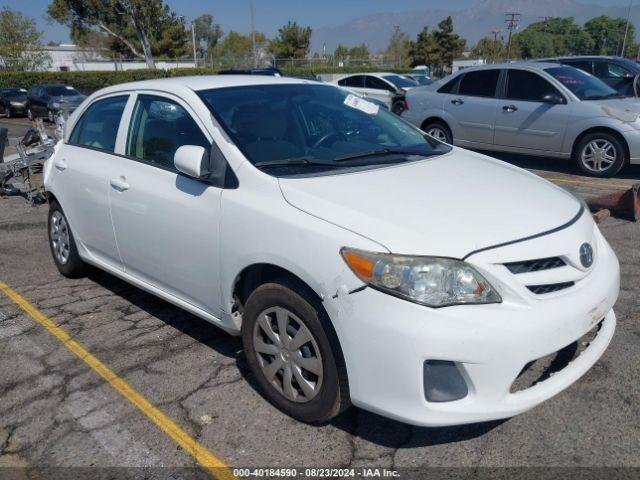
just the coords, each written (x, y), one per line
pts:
(489, 49)
(20, 42)
(553, 37)
(207, 33)
(235, 49)
(607, 34)
(450, 45)
(425, 51)
(399, 48)
(136, 26)
(292, 41)
(341, 53)
(359, 52)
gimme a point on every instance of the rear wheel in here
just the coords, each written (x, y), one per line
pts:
(292, 352)
(63, 245)
(439, 131)
(51, 116)
(600, 154)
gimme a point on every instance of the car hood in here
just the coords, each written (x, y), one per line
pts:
(623, 109)
(449, 205)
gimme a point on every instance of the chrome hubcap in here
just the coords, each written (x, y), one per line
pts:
(288, 354)
(598, 155)
(59, 235)
(438, 134)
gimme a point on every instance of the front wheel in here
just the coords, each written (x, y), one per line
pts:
(600, 154)
(51, 116)
(292, 351)
(63, 245)
(439, 131)
(30, 114)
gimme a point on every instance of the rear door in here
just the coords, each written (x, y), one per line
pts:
(166, 223)
(473, 107)
(523, 120)
(377, 88)
(80, 177)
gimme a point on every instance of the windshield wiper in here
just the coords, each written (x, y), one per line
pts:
(286, 162)
(386, 151)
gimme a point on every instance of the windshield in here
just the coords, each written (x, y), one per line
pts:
(14, 93)
(282, 126)
(423, 79)
(583, 85)
(401, 81)
(62, 91)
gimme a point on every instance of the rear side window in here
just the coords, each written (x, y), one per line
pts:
(98, 126)
(158, 128)
(528, 86)
(376, 83)
(450, 86)
(481, 83)
(353, 81)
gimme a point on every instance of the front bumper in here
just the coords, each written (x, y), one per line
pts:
(386, 340)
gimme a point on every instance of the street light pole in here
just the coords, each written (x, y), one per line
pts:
(193, 39)
(626, 30)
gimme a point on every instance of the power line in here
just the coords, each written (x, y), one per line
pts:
(511, 20)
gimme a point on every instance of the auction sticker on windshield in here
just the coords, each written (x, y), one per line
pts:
(360, 104)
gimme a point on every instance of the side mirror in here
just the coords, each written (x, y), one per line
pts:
(552, 98)
(192, 160)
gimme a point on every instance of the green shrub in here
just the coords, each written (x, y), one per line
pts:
(88, 82)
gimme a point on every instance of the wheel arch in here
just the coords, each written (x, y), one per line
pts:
(611, 131)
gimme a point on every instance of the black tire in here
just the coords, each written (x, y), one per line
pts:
(74, 266)
(30, 115)
(51, 116)
(398, 107)
(621, 158)
(442, 127)
(332, 397)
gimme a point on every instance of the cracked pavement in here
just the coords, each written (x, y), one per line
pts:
(56, 412)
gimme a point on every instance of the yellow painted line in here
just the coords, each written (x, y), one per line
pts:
(205, 458)
(590, 183)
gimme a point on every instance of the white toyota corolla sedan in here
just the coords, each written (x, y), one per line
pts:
(362, 261)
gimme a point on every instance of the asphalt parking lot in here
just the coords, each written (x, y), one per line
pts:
(56, 410)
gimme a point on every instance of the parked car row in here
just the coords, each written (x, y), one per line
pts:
(44, 101)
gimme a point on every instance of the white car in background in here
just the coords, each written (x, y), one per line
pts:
(532, 108)
(387, 87)
(361, 260)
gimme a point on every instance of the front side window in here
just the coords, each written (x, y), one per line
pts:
(480, 83)
(581, 84)
(160, 126)
(584, 65)
(98, 126)
(527, 86)
(291, 129)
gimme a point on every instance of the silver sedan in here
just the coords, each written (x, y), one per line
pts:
(541, 109)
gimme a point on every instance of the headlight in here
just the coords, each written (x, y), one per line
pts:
(431, 281)
(55, 105)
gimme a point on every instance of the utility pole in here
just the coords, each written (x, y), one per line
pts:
(511, 19)
(193, 39)
(253, 36)
(494, 53)
(626, 29)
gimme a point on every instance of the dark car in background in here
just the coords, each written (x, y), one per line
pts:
(13, 102)
(617, 72)
(49, 100)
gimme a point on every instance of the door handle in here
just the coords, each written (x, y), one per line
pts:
(457, 101)
(60, 164)
(509, 108)
(119, 184)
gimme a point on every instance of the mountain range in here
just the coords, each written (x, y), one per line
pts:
(471, 23)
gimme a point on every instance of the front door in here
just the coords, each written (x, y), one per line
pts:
(523, 120)
(80, 176)
(377, 88)
(474, 108)
(166, 223)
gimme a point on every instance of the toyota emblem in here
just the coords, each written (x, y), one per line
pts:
(586, 255)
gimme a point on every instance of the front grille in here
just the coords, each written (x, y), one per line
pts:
(543, 368)
(537, 265)
(551, 287)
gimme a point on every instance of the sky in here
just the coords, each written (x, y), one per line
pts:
(269, 14)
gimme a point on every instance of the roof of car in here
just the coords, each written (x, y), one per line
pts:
(520, 64)
(204, 82)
